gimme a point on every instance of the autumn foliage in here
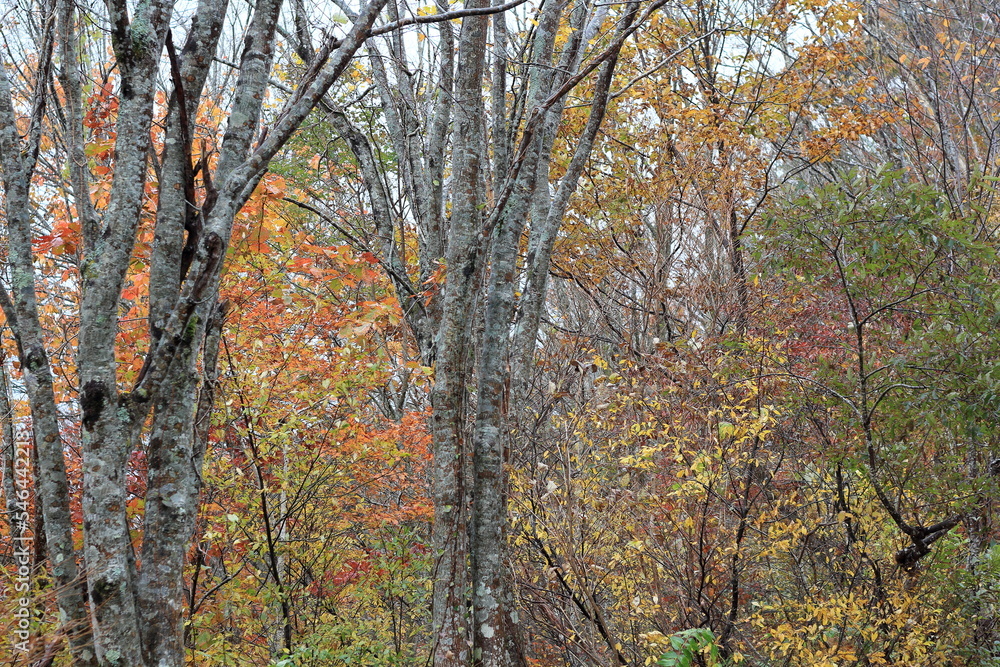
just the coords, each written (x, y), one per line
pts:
(756, 424)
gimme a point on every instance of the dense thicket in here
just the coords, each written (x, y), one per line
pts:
(559, 333)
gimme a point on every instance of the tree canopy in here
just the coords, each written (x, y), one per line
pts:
(484, 334)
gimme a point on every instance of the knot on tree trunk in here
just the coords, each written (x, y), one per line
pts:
(93, 396)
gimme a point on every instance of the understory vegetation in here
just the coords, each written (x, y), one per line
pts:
(514, 335)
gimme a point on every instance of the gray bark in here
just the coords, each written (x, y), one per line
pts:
(496, 618)
(495, 614)
(109, 418)
(422, 319)
(17, 514)
(549, 219)
(177, 210)
(483, 237)
(174, 481)
(135, 612)
(451, 624)
(176, 442)
(21, 309)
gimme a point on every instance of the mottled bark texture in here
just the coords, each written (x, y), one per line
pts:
(474, 185)
(133, 614)
(18, 158)
(16, 517)
(500, 188)
(450, 618)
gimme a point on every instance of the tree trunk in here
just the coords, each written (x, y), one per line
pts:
(21, 310)
(450, 599)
